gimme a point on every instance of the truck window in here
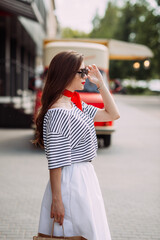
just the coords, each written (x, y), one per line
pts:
(91, 87)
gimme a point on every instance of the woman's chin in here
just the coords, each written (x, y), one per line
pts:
(82, 86)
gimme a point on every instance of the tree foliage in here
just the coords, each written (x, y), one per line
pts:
(105, 27)
(136, 23)
(70, 33)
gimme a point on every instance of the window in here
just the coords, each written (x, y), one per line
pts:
(91, 87)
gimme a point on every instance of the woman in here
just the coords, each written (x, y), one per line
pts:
(65, 128)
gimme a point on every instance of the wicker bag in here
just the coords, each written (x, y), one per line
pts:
(47, 237)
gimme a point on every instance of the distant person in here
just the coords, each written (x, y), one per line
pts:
(65, 128)
(118, 88)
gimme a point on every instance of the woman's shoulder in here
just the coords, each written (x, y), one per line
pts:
(57, 113)
(57, 120)
(61, 104)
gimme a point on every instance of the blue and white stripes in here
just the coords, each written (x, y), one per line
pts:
(69, 135)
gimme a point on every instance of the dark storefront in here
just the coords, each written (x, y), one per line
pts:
(17, 52)
(17, 56)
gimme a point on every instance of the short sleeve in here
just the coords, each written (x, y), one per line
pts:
(58, 150)
(89, 110)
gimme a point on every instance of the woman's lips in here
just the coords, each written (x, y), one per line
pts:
(83, 83)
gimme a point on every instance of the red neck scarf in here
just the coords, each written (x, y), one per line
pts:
(75, 98)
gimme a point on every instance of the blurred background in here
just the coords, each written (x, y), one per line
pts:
(128, 164)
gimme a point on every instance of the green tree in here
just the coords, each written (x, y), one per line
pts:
(70, 33)
(128, 28)
(139, 24)
(105, 27)
(136, 23)
(158, 2)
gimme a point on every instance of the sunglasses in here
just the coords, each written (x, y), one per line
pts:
(83, 72)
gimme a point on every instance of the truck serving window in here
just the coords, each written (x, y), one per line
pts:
(91, 87)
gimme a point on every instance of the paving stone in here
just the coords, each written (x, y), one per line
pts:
(128, 172)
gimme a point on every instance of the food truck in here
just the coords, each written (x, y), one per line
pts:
(99, 52)
(93, 54)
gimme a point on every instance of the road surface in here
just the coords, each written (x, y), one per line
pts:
(128, 172)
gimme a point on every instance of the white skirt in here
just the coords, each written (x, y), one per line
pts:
(84, 207)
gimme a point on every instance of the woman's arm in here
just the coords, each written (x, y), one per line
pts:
(110, 111)
(57, 207)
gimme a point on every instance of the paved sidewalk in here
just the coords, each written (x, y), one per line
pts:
(128, 172)
(23, 175)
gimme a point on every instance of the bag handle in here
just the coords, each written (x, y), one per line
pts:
(52, 233)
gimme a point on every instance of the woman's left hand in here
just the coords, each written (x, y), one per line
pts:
(94, 75)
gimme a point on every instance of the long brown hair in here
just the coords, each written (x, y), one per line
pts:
(61, 72)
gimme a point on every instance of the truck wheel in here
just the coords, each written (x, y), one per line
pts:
(107, 140)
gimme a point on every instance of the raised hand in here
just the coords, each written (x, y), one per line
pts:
(94, 75)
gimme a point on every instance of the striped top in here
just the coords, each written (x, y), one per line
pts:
(69, 135)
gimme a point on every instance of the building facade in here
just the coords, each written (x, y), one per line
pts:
(23, 26)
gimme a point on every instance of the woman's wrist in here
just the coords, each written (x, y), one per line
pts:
(100, 85)
(56, 198)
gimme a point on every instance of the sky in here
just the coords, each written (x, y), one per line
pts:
(78, 14)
